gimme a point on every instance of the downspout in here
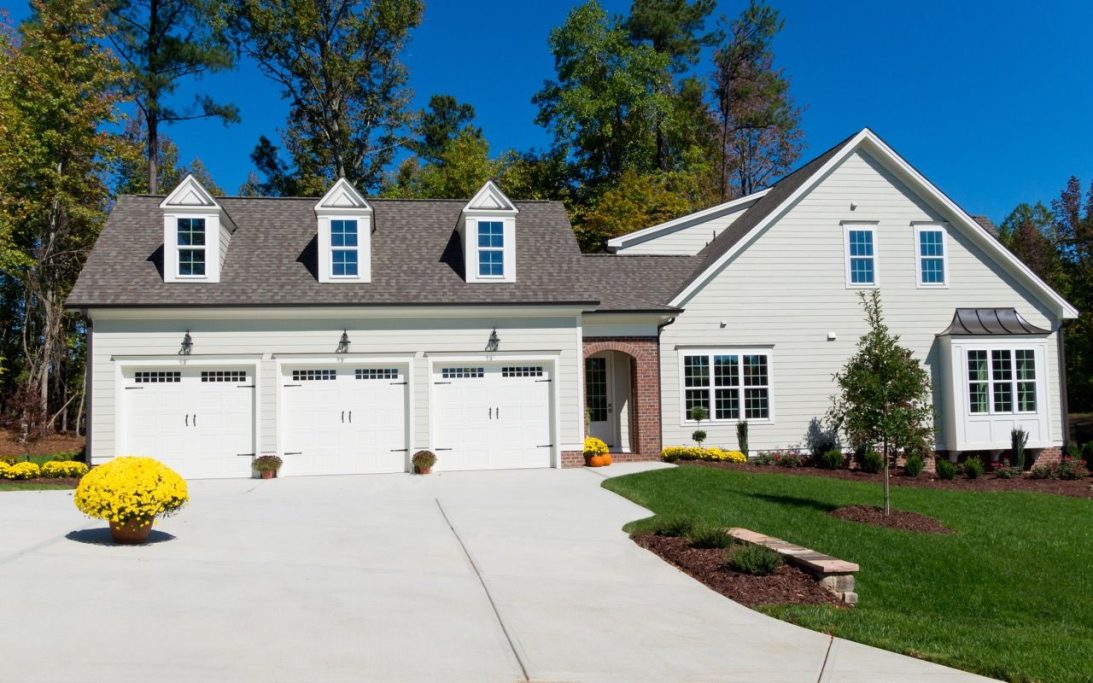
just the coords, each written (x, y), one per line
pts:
(1063, 401)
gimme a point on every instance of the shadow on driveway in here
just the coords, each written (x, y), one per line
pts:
(101, 536)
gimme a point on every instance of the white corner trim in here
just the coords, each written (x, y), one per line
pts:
(626, 240)
(887, 156)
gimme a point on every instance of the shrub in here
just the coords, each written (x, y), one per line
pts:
(423, 460)
(64, 468)
(674, 453)
(699, 436)
(1018, 439)
(946, 470)
(821, 442)
(871, 461)
(709, 537)
(22, 470)
(267, 463)
(1042, 472)
(912, 467)
(973, 467)
(1071, 469)
(789, 459)
(698, 413)
(594, 446)
(673, 526)
(742, 436)
(129, 489)
(1007, 472)
(763, 458)
(754, 559)
(9, 459)
(831, 460)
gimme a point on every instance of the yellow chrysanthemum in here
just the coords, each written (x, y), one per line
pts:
(131, 488)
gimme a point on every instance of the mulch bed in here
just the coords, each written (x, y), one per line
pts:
(898, 519)
(786, 586)
(1080, 488)
(30, 483)
(48, 445)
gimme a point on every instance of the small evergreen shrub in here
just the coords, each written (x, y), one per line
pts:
(789, 459)
(1018, 439)
(763, 458)
(831, 460)
(754, 559)
(742, 436)
(709, 537)
(871, 462)
(673, 526)
(913, 466)
(973, 467)
(945, 470)
(1042, 472)
(1007, 472)
(699, 436)
(1071, 469)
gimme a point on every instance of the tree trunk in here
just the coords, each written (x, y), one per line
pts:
(887, 491)
(153, 150)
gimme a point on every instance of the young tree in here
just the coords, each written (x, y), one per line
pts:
(338, 66)
(58, 91)
(884, 392)
(163, 42)
(760, 134)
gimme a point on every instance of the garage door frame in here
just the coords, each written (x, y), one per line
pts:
(549, 358)
(218, 360)
(403, 360)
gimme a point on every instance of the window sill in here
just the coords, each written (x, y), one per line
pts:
(694, 425)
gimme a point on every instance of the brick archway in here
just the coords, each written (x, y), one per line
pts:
(644, 353)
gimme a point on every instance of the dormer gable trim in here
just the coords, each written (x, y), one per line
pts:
(490, 200)
(343, 198)
(189, 195)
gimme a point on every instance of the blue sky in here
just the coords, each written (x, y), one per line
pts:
(993, 101)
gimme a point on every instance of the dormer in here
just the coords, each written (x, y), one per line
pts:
(487, 227)
(196, 232)
(345, 235)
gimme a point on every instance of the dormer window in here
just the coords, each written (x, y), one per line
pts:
(344, 235)
(196, 234)
(191, 247)
(488, 230)
(343, 246)
(491, 248)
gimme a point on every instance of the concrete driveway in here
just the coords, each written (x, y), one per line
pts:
(477, 577)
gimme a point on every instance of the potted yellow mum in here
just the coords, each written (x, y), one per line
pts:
(130, 492)
(595, 452)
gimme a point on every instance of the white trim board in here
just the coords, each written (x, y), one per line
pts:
(868, 141)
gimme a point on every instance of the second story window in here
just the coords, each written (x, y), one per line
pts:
(344, 248)
(491, 249)
(191, 247)
(861, 256)
(931, 257)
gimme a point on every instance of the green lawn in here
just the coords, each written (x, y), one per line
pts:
(1009, 595)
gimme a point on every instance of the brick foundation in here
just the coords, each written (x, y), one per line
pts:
(644, 355)
(1047, 456)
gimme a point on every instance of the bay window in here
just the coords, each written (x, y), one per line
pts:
(1001, 381)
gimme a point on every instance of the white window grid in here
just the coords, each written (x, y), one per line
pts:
(738, 388)
(1002, 381)
(462, 373)
(376, 373)
(522, 371)
(157, 376)
(931, 256)
(314, 375)
(223, 375)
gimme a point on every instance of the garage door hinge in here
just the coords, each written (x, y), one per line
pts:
(131, 388)
(441, 382)
(245, 386)
(398, 382)
(544, 380)
(546, 445)
(442, 449)
(246, 455)
(294, 452)
(294, 385)
(399, 450)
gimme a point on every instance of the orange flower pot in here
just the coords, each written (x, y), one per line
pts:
(132, 532)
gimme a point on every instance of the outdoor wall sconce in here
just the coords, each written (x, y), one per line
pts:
(343, 343)
(494, 341)
(187, 344)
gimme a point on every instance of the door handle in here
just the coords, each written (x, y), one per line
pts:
(491, 413)
(187, 419)
(350, 417)
(343, 417)
(498, 412)
(195, 419)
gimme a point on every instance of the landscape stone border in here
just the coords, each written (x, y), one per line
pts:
(836, 575)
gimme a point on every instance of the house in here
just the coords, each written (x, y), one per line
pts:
(345, 333)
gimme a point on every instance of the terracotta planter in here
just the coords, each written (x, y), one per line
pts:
(132, 532)
(267, 474)
(423, 470)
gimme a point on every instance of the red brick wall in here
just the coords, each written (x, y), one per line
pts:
(1048, 456)
(644, 355)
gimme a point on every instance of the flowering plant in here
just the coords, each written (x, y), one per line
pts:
(594, 446)
(64, 468)
(131, 489)
(674, 453)
(20, 470)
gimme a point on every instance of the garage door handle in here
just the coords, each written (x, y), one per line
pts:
(195, 419)
(350, 417)
(491, 413)
(343, 417)
(187, 419)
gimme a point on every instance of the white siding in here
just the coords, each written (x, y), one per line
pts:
(788, 290)
(269, 337)
(689, 238)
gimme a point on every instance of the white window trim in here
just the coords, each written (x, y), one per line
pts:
(1013, 382)
(686, 421)
(478, 249)
(202, 247)
(333, 249)
(919, 229)
(860, 227)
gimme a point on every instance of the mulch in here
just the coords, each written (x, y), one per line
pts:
(30, 483)
(48, 445)
(897, 519)
(788, 585)
(1080, 488)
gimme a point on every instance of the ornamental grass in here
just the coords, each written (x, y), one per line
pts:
(131, 489)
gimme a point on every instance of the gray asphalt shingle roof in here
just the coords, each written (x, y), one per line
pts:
(637, 282)
(417, 258)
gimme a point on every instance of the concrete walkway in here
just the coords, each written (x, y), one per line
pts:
(476, 577)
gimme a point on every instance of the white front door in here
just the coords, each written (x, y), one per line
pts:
(197, 421)
(598, 394)
(344, 419)
(492, 415)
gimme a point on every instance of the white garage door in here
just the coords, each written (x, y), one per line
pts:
(492, 416)
(344, 420)
(197, 421)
